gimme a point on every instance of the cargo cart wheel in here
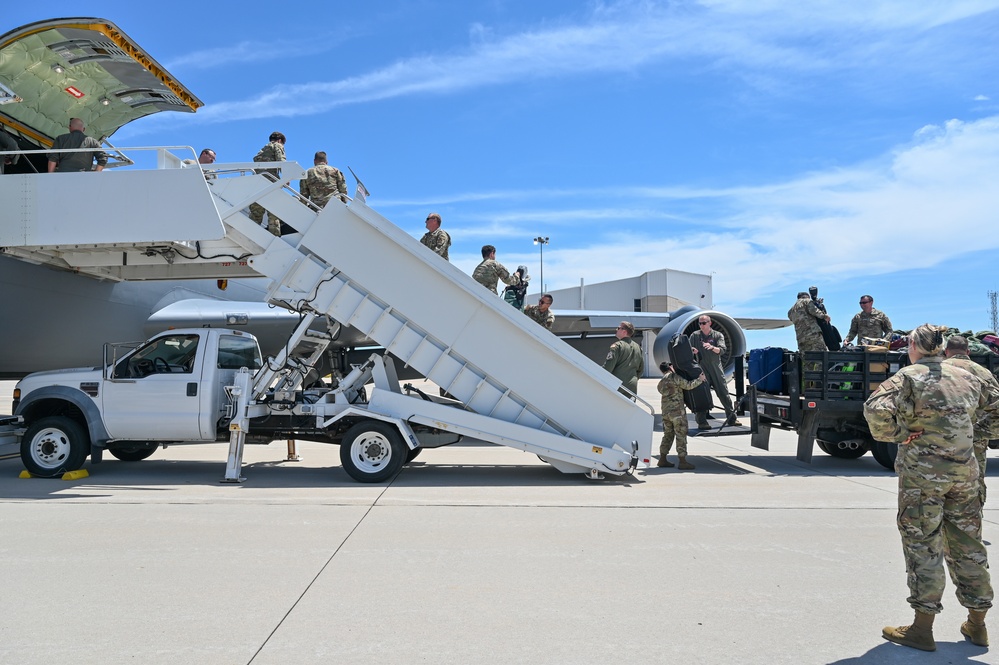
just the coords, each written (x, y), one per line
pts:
(885, 453)
(134, 452)
(54, 445)
(847, 449)
(372, 451)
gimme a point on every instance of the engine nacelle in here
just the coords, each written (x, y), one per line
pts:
(684, 320)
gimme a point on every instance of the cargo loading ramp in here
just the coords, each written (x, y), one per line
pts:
(346, 262)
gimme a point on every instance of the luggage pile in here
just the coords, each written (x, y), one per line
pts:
(980, 343)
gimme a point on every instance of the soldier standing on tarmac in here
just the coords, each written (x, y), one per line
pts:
(930, 409)
(625, 359)
(957, 355)
(708, 345)
(671, 387)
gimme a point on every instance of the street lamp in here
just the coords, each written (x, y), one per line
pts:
(541, 242)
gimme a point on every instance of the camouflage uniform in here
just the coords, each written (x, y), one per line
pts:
(875, 325)
(625, 361)
(671, 387)
(321, 183)
(490, 271)
(805, 315)
(438, 241)
(547, 319)
(77, 161)
(981, 437)
(939, 507)
(272, 152)
(710, 362)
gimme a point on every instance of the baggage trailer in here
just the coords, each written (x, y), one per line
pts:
(822, 399)
(345, 264)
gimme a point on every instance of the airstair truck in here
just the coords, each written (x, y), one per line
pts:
(515, 383)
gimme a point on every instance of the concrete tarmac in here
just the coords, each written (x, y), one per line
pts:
(473, 553)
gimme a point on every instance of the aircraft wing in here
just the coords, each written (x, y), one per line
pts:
(85, 68)
(762, 324)
(587, 321)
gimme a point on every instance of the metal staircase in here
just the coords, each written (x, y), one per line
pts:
(346, 262)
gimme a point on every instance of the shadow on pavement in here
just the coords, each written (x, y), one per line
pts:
(890, 654)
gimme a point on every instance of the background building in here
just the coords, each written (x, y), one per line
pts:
(663, 290)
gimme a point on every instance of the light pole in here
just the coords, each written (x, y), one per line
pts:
(541, 242)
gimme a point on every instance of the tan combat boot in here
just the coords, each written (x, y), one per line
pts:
(685, 465)
(918, 636)
(663, 462)
(974, 628)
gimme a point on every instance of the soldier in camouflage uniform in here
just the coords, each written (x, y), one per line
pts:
(436, 238)
(322, 182)
(490, 271)
(869, 322)
(930, 409)
(805, 315)
(272, 152)
(957, 355)
(541, 312)
(671, 387)
(625, 359)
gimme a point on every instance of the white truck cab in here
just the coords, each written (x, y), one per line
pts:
(169, 389)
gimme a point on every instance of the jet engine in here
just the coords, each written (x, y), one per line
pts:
(684, 320)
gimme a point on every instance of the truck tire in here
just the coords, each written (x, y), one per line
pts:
(133, 452)
(53, 446)
(372, 451)
(885, 453)
(847, 449)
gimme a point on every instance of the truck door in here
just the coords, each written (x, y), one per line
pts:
(155, 392)
(235, 351)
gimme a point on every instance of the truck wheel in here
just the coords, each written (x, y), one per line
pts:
(847, 449)
(134, 452)
(372, 451)
(885, 453)
(54, 445)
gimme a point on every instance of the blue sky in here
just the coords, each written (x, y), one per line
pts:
(775, 145)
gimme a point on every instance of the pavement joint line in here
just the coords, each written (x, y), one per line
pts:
(322, 569)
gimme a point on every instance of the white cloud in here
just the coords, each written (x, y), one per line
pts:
(925, 203)
(751, 37)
